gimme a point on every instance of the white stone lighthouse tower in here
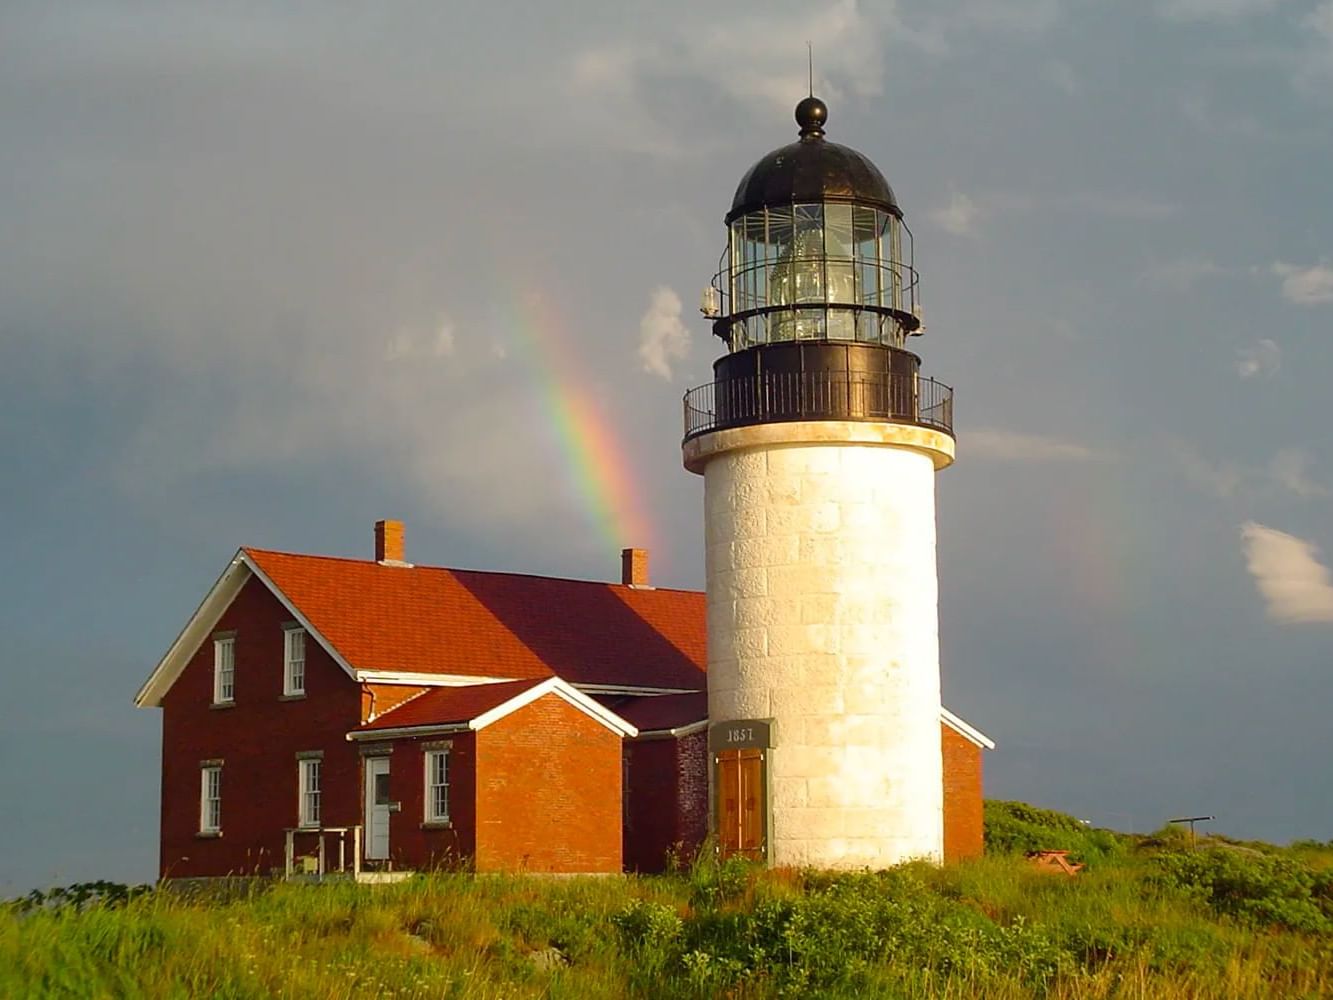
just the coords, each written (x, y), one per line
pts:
(818, 442)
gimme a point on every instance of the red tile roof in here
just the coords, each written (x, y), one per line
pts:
(650, 713)
(443, 706)
(434, 620)
(600, 633)
(393, 618)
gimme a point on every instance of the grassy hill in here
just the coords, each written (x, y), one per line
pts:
(1147, 918)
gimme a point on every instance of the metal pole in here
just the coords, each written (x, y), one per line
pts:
(1191, 820)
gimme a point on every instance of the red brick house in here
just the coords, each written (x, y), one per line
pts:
(380, 715)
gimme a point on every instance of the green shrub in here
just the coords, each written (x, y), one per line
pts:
(713, 882)
(834, 932)
(1018, 828)
(1260, 890)
(79, 896)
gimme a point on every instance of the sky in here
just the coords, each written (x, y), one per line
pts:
(270, 272)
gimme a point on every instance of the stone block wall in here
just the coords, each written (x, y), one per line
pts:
(822, 614)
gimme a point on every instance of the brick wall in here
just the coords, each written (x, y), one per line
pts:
(548, 792)
(963, 832)
(257, 739)
(651, 794)
(413, 844)
(692, 791)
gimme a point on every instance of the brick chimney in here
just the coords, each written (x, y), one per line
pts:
(389, 542)
(634, 567)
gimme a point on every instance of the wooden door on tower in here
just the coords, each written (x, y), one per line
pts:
(741, 809)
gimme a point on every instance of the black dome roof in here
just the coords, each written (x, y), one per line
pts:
(812, 169)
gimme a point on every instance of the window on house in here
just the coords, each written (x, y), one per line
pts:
(224, 670)
(293, 661)
(309, 791)
(210, 798)
(437, 786)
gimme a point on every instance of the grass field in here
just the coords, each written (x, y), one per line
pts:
(1147, 918)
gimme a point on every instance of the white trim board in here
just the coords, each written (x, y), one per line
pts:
(565, 691)
(966, 731)
(633, 689)
(675, 733)
(552, 685)
(196, 630)
(205, 618)
(408, 678)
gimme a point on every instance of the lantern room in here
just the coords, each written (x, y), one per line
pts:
(817, 249)
(815, 297)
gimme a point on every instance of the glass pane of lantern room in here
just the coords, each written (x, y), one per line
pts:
(839, 271)
(736, 257)
(866, 247)
(756, 260)
(894, 250)
(808, 252)
(778, 245)
(838, 253)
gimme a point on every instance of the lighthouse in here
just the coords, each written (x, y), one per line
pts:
(818, 441)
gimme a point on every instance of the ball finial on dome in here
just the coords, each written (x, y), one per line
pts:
(811, 114)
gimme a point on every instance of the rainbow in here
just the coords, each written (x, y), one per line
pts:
(600, 472)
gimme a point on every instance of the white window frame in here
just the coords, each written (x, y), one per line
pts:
(224, 670)
(293, 665)
(310, 783)
(432, 814)
(210, 798)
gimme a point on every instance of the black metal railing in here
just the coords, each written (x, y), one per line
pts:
(774, 397)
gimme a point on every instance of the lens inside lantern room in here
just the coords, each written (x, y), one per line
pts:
(803, 258)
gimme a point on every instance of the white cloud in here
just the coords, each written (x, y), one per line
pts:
(1287, 474)
(1293, 582)
(756, 59)
(1220, 479)
(663, 338)
(1183, 273)
(1312, 63)
(410, 344)
(1290, 470)
(1013, 446)
(1320, 20)
(1132, 207)
(1214, 10)
(1264, 358)
(1305, 286)
(959, 217)
(747, 58)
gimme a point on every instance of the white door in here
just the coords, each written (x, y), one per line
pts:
(377, 808)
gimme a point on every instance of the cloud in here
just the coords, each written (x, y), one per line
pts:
(1183, 273)
(1320, 20)
(1264, 359)
(1013, 446)
(645, 81)
(663, 338)
(1220, 479)
(416, 345)
(746, 58)
(1289, 469)
(1287, 474)
(1133, 207)
(1293, 582)
(1214, 10)
(959, 217)
(1305, 286)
